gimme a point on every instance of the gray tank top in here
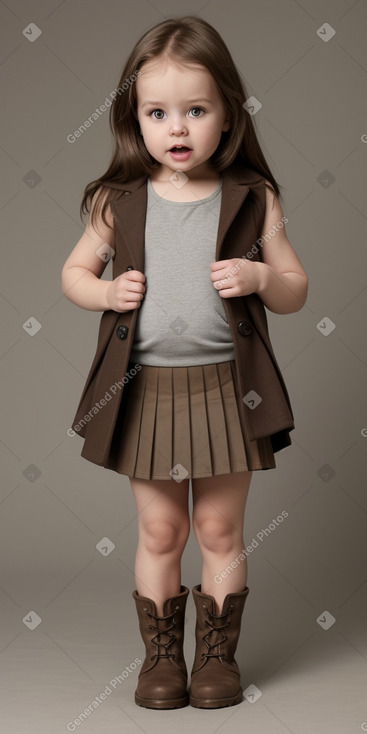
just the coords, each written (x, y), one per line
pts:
(181, 320)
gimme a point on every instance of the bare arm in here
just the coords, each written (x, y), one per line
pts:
(80, 277)
(283, 283)
(279, 278)
(81, 273)
(85, 289)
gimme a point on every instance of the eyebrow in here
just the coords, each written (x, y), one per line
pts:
(191, 101)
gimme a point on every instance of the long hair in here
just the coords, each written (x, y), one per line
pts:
(187, 41)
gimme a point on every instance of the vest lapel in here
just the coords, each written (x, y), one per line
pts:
(233, 195)
(130, 211)
(130, 217)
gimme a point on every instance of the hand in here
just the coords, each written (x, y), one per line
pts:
(126, 292)
(236, 277)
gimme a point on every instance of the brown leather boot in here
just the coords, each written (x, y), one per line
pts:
(215, 676)
(162, 681)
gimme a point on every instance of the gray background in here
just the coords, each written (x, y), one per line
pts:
(56, 507)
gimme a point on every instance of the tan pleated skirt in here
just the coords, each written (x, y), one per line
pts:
(183, 422)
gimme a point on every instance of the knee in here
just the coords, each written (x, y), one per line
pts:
(215, 534)
(163, 536)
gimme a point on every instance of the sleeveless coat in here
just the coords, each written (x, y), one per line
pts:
(266, 413)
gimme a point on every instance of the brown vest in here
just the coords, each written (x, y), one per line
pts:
(240, 225)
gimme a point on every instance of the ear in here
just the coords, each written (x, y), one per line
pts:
(228, 121)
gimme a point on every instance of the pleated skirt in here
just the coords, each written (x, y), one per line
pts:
(183, 422)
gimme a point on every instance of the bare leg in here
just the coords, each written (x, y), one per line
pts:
(218, 518)
(163, 527)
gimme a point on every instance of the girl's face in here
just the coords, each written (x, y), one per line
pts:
(180, 106)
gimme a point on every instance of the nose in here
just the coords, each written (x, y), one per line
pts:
(178, 126)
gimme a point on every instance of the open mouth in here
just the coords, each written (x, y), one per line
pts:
(179, 149)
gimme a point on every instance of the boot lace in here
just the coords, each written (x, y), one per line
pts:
(156, 640)
(218, 628)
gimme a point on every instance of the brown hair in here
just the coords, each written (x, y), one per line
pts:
(188, 40)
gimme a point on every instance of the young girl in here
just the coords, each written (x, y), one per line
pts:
(184, 383)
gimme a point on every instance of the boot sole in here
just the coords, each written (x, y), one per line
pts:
(174, 703)
(215, 703)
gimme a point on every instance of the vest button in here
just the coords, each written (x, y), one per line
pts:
(244, 328)
(122, 332)
(130, 267)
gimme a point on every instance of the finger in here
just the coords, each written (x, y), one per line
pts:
(132, 295)
(135, 275)
(222, 277)
(218, 274)
(135, 287)
(226, 292)
(219, 264)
